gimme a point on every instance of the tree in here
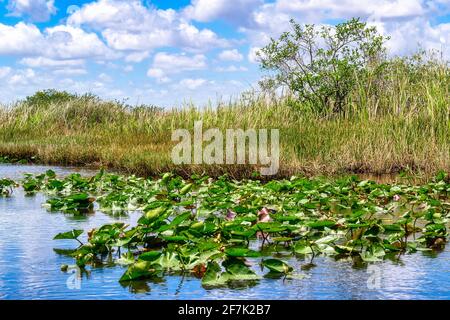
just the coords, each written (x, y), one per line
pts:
(320, 65)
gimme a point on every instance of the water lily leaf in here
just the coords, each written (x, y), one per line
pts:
(140, 270)
(358, 225)
(149, 256)
(169, 261)
(154, 214)
(74, 234)
(241, 233)
(343, 249)
(186, 189)
(369, 257)
(174, 238)
(392, 227)
(214, 276)
(241, 252)
(295, 276)
(281, 239)
(324, 249)
(126, 259)
(64, 252)
(320, 224)
(276, 265)
(179, 219)
(327, 239)
(302, 248)
(238, 271)
(122, 242)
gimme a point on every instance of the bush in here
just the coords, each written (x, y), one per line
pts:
(49, 96)
(321, 65)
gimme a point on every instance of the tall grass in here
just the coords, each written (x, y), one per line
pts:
(399, 121)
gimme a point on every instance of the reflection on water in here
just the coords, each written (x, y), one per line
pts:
(30, 269)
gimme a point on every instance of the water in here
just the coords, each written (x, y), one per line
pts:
(30, 269)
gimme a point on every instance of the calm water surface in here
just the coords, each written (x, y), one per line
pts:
(30, 269)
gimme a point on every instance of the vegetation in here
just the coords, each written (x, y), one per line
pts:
(322, 66)
(220, 230)
(345, 107)
(6, 187)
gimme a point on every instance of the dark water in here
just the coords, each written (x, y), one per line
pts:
(30, 269)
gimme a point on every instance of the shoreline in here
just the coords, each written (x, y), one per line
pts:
(244, 173)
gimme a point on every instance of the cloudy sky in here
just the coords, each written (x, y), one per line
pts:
(168, 52)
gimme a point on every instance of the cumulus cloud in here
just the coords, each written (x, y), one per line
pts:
(4, 71)
(19, 39)
(165, 64)
(231, 55)
(34, 10)
(236, 11)
(70, 71)
(23, 77)
(129, 25)
(320, 10)
(407, 21)
(68, 42)
(137, 56)
(231, 68)
(42, 62)
(409, 36)
(192, 84)
(60, 42)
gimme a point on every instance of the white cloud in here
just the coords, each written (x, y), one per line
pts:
(23, 77)
(192, 84)
(155, 73)
(4, 72)
(323, 9)
(129, 25)
(165, 64)
(34, 10)
(237, 11)
(68, 42)
(231, 55)
(60, 42)
(128, 68)
(70, 72)
(137, 56)
(42, 62)
(19, 39)
(231, 68)
(189, 37)
(407, 37)
(252, 55)
(408, 21)
(104, 77)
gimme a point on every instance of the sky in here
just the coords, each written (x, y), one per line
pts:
(169, 53)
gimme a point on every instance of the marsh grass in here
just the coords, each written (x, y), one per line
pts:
(399, 122)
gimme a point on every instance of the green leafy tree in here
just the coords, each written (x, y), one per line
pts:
(321, 64)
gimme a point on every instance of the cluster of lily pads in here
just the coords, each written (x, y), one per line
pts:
(221, 230)
(6, 159)
(6, 187)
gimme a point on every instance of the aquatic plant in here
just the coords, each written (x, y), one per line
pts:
(6, 187)
(219, 230)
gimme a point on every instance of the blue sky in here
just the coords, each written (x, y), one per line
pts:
(170, 52)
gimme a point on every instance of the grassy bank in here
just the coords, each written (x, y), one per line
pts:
(389, 124)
